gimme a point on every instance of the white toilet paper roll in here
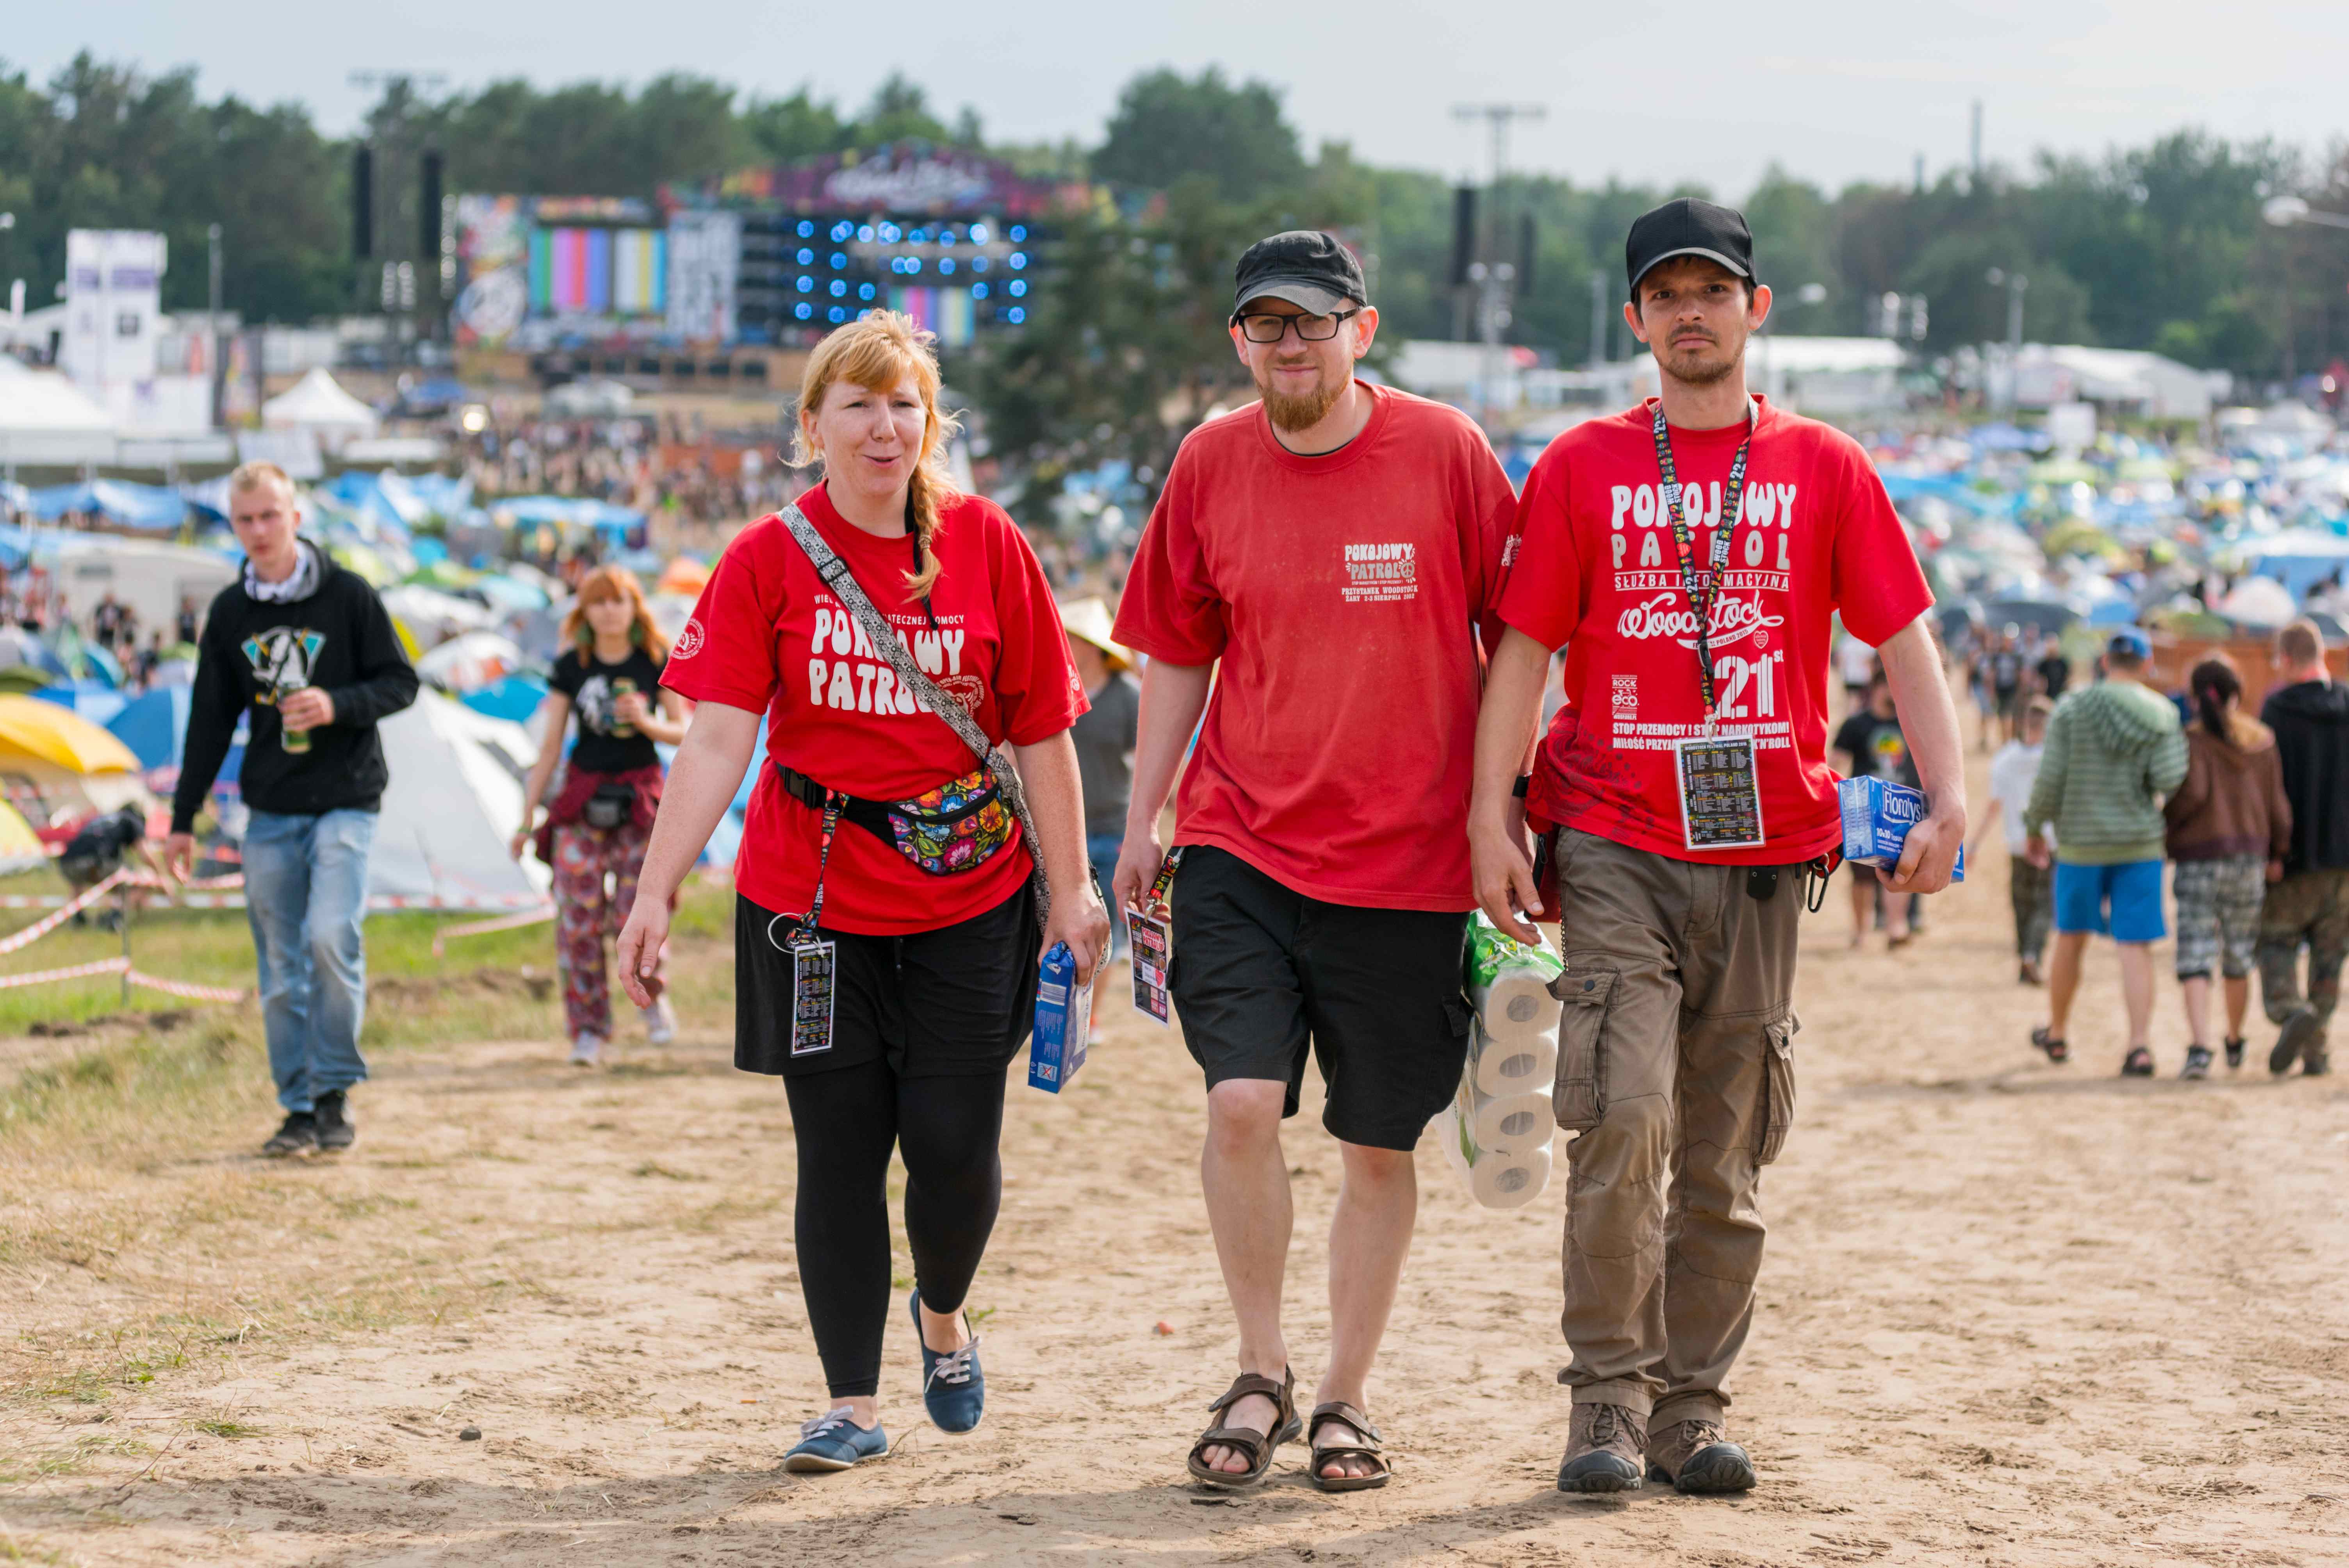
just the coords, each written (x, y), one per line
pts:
(1512, 1121)
(1517, 1004)
(1500, 1181)
(1515, 1066)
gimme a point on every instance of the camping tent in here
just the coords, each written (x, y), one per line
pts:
(94, 700)
(469, 661)
(455, 800)
(151, 576)
(434, 617)
(158, 508)
(55, 766)
(2299, 558)
(46, 419)
(154, 725)
(21, 849)
(318, 403)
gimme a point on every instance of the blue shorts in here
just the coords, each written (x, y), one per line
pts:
(2123, 901)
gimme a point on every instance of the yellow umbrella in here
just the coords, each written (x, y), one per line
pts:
(60, 737)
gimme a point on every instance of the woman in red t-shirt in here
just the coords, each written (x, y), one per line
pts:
(879, 870)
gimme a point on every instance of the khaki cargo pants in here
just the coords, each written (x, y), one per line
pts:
(1675, 1065)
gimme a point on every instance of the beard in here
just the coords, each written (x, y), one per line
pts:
(1300, 411)
(1701, 366)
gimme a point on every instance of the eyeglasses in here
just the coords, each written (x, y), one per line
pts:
(1271, 329)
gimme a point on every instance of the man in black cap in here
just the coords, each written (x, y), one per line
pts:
(1689, 556)
(1334, 546)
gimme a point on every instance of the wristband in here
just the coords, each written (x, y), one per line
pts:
(1524, 782)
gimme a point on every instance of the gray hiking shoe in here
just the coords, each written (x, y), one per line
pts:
(1697, 1457)
(1604, 1449)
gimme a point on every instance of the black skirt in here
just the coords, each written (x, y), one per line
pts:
(956, 1000)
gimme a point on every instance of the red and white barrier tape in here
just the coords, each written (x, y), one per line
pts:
(79, 971)
(183, 988)
(66, 911)
(236, 901)
(483, 927)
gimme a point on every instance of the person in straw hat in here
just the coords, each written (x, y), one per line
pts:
(1104, 734)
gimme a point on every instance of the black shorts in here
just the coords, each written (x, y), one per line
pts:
(1260, 971)
(935, 1004)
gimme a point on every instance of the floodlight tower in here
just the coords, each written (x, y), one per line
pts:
(1495, 279)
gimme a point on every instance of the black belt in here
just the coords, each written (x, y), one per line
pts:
(873, 816)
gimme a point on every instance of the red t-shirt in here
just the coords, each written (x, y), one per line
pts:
(768, 637)
(1342, 593)
(1597, 572)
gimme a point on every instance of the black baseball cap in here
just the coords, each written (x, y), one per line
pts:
(1687, 227)
(1304, 266)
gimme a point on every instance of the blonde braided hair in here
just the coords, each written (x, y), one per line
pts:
(881, 352)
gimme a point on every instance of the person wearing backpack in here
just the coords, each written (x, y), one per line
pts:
(892, 635)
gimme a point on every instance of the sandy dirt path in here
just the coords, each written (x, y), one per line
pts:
(2011, 1314)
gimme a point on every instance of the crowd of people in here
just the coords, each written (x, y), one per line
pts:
(663, 463)
(963, 774)
(2098, 791)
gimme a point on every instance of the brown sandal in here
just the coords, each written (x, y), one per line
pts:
(1257, 1446)
(1367, 1445)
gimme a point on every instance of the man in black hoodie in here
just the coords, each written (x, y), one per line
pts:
(2310, 905)
(307, 652)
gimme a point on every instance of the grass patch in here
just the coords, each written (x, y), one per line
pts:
(501, 984)
(228, 1429)
(69, 1459)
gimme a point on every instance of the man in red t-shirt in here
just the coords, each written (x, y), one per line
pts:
(1689, 554)
(1334, 547)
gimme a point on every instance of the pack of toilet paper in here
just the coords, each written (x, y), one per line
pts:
(1499, 1144)
(1498, 1128)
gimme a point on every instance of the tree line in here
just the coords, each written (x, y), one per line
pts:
(2160, 246)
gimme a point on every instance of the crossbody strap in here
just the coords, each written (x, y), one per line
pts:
(842, 581)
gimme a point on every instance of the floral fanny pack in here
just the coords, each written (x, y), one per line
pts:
(958, 827)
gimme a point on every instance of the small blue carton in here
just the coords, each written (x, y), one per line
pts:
(1877, 817)
(1064, 1022)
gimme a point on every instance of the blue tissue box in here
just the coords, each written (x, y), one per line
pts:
(1877, 817)
(1064, 1022)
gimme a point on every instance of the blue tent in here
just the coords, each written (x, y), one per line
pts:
(93, 700)
(155, 725)
(516, 697)
(151, 507)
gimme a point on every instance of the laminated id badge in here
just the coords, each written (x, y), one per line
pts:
(1721, 799)
(811, 982)
(1153, 944)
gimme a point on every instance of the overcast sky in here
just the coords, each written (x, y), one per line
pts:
(1833, 90)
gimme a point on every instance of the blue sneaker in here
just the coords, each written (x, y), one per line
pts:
(833, 1442)
(954, 1390)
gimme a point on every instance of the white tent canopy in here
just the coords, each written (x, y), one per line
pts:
(46, 419)
(318, 403)
(455, 800)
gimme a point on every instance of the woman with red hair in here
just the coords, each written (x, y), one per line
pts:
(609, 677)
(894, 637)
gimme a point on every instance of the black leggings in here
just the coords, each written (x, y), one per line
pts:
(845, 1121)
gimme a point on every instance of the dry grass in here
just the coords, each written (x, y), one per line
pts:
(114, 1191)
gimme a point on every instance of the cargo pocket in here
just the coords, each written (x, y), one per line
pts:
(1777, 1088)
(1578, 1096)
